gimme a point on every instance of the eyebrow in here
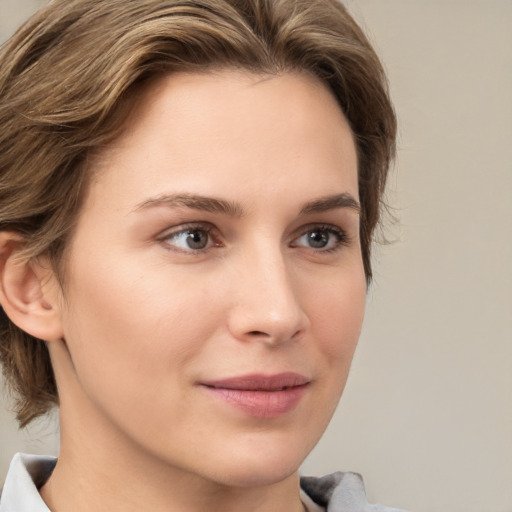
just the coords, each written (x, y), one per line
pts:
(233, 209)
(323, 204)
(207, 204)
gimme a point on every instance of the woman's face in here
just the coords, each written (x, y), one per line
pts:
(215, 287)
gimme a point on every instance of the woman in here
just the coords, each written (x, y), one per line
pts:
(188, 195)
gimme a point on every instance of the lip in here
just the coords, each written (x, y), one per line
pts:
(262, 396)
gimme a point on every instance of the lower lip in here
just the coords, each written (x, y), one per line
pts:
(261, 404)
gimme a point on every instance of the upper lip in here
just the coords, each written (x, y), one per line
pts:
(259, 382)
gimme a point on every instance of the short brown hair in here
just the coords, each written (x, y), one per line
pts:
(67, 77)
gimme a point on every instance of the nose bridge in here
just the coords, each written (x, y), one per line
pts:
(267, 303)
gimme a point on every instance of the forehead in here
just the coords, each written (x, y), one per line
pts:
(200, 127)
(217, 99)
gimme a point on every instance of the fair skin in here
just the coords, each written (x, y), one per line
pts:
(219, 240)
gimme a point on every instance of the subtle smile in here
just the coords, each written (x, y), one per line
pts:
(262, 396)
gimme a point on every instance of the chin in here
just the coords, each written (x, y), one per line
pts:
(263, 465)
(260, 475)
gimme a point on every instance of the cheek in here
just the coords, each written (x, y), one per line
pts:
(337, 315)
(135, 333)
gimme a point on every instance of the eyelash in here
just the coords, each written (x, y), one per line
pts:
(206, 228)
(342, 239)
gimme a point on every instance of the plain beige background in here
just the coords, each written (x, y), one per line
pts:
(427, 414)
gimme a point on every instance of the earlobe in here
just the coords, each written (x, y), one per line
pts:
(28, 292)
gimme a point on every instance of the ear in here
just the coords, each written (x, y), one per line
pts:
(29, 291)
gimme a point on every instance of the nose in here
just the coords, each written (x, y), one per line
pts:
(266, 303)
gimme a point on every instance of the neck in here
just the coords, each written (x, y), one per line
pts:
(101, 481)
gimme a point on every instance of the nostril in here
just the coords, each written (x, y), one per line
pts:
(258, 333)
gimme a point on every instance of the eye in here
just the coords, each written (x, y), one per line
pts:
(190, 239)
(322, 238)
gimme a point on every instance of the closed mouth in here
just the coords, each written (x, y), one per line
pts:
(258, 382)
(260, 396)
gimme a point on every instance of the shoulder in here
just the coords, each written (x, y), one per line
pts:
(340, 492)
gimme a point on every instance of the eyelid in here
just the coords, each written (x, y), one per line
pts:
(189, 226)
(343, 238)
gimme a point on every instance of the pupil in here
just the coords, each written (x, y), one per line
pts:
(197, 239)
(318, 239)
